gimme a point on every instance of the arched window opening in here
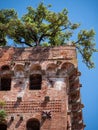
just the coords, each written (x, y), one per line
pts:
(5, 83)
(3, 126)
(35, 82)
(33, 124)
(5, 67)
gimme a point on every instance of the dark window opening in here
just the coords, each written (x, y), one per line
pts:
(33, 124)
(5, 67)
(3, 127)
(35, 82)
(5, 84)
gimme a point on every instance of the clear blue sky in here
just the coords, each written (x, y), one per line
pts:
(84, 12)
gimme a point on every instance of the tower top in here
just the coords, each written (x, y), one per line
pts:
(65, 53)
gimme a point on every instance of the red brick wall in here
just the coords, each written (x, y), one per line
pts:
(33, 103)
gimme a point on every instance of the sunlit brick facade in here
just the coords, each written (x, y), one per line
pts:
(40, 87)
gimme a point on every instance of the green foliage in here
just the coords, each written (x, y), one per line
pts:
(86, 46)
(6, 16)
(42, 26)
(2, 103)
(2, 115)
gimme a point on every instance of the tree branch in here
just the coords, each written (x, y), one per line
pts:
(34, 36)
(25, 43)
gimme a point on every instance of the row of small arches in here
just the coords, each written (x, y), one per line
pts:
(35, 76)
(37, 67)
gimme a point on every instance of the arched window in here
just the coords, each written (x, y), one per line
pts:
(5, 79)
(35, 82)
(3, 126)
(5, 67)
(33, 124)
(5, 83)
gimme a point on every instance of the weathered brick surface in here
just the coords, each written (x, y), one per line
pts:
(55, 83)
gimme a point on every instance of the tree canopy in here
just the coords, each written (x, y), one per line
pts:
(41, 26)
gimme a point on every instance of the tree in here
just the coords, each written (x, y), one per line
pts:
(6, 16)
(41, 26)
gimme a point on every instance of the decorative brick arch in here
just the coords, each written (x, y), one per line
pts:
(51, 66)
(67, 66)
(51, 69)
(35, 67)
(19, 67)
(19, 70)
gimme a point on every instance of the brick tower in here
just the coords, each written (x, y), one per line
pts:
(40, 89)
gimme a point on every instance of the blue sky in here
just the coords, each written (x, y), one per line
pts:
(84, 12)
